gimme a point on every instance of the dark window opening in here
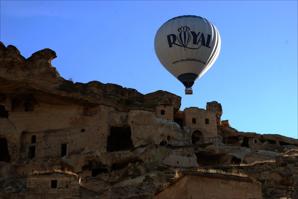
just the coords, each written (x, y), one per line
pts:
(54, 184)
(206, 121)
(33, 139)
(4, 153)
(194, 121)
(245, 142)
(63, 150)
(3, 112)
(162, 112)
(197, 137)
(31, 153)
(119, 139)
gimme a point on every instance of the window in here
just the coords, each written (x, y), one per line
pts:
(54, 184)
(63, 150)
(162, 112)
(31, 153)
(206, 121)
(33, 139)
(3, 112)
(194, 121)
(119, 139)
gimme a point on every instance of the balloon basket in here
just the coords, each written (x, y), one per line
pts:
(188, 91)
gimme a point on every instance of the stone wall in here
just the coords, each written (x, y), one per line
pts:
(212, 186)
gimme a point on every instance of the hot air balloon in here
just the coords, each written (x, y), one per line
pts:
(187, 46)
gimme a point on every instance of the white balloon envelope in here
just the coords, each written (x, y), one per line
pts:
(187, 46)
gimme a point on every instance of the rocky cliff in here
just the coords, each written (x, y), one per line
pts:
(61, 139)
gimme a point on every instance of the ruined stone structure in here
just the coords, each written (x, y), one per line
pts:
(60, 139)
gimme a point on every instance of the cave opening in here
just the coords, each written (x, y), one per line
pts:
(179, 121)
(271, 141)
(207, 159)
(119, 139)
(98, 170)
(235, 160)
(283, 143)
(245, 142)
(3, 112)
(4, 153)
(95, 167)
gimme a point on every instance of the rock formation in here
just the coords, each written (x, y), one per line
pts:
(60, 139)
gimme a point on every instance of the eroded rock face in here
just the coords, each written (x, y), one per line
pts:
(98, 140)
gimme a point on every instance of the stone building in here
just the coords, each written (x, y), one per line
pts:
(224, 186)
(59, 185)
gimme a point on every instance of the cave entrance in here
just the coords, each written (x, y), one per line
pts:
(119, 139)
(197, 137)
(4, 154)
(208, 159)
(245, 142)
(3, 112)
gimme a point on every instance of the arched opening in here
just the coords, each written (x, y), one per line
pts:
(197, 137)
(119, 139)
(4, 153)
(3, 112)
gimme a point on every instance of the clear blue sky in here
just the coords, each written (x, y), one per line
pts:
(255, 76)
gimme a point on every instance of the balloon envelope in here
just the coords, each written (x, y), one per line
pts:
(187, 47)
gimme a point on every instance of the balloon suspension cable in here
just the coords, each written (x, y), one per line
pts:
(188, 91)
